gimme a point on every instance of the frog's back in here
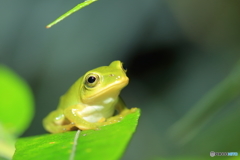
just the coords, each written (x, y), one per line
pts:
(72, 96)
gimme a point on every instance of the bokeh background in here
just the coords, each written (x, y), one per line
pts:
(176, 53)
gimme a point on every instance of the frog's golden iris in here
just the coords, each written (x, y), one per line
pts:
(91, 80)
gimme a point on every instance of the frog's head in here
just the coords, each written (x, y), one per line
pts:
(103, 82)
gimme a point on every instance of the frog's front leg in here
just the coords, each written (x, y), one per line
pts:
(122, 112)
(72, 114)
(56, 122)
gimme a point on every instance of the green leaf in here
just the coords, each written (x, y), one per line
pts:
(16, 102)
(1, 158)
(16, 109)
(7, 142)
(109, 142)
(68, 13)
(199, 115)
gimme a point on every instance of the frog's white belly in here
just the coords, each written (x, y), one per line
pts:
(95, 113)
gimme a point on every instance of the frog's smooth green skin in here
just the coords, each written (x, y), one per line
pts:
(91, 101)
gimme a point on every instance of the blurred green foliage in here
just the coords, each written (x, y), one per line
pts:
(16, 109)
(226, 92)
(212, 123)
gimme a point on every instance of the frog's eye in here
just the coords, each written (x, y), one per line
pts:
(91, 80)
(124, 67)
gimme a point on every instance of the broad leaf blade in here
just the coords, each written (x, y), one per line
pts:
(16, 109)
(16, 102)
(108, 143)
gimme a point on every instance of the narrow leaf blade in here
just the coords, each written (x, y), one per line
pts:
(71, 11)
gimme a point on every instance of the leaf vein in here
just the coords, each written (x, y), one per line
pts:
(72, 155)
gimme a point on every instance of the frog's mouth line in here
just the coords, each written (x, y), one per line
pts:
(102, 91)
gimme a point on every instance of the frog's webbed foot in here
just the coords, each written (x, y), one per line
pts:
(119, 117)
(56, 128)
(56, 122)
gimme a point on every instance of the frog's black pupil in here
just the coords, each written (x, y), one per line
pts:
(91, 79)
(124, 67)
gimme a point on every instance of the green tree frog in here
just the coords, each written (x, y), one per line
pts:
(91, 101)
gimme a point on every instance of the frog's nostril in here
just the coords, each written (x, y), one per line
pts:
(124, 68)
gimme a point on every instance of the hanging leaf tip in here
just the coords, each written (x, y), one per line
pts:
(71, 11)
